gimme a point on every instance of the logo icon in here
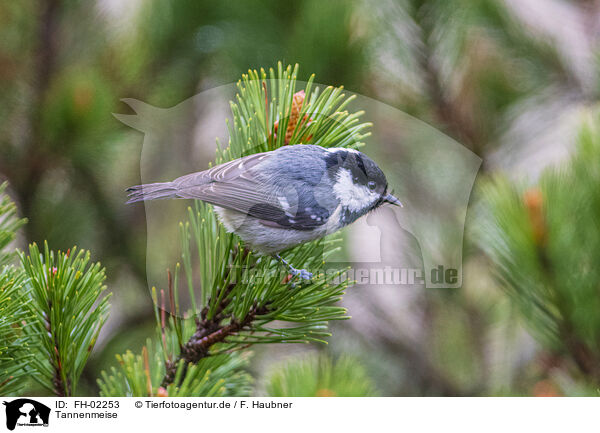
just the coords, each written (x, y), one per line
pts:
(26, 412)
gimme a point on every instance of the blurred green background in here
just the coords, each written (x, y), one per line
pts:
(514, 81)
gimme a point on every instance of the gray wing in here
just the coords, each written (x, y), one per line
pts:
(233, 185)
(239, 185)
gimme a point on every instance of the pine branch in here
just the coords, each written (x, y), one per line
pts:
(14, 304)
(320, 376)
(549, 268)
(238, 298)
(141, 375)
(208, 331)
(207, 334)
(9, 224)
(68, 312)
(14, 340)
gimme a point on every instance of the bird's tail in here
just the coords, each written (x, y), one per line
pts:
(151, 191)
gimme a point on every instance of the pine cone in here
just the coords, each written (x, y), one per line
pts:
(297, 102)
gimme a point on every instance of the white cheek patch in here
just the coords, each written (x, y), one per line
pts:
(354, 197)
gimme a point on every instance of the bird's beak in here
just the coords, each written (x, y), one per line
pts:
(389, 198)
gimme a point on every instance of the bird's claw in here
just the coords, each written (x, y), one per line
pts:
(302, 273)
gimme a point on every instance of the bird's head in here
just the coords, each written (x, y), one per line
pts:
(359, 184)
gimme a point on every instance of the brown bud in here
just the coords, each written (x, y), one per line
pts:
(297, 102)
(534, 203)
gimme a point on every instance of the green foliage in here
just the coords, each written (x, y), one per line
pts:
(9, 224)
(69, 311)
(467, 66)
(51, 312)
(545, 243)
(489, 73)
(237, 284)
(244, 299)
(265, 100)
(14, 342)
(14, 313)
(259, 292)
(141, 375)
(319, 376)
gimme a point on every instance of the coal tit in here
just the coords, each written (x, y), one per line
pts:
(279, 199)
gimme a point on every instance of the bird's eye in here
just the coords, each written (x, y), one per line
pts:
(372, 185)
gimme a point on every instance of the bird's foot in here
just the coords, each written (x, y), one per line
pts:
(302, 273)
